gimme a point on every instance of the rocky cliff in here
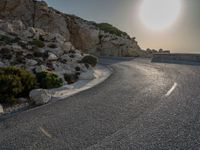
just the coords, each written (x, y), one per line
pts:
(84, 35)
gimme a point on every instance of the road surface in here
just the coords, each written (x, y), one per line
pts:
(142, 106)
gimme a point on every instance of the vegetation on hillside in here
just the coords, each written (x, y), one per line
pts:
(108, 28)
(48, 80)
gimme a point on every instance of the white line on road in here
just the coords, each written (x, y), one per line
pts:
(171, 90)
(45, 132)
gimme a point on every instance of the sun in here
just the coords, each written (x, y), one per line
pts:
(159, 14)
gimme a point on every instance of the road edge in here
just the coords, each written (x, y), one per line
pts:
(82, 89)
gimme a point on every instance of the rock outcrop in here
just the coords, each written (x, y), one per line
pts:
(37, 50)
(83, 35)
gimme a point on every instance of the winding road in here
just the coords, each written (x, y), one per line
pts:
(142, 106)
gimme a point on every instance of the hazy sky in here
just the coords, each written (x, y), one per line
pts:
(182, 36)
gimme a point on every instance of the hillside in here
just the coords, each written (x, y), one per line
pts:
(90, 37)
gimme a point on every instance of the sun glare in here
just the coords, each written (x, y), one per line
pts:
(158, 14)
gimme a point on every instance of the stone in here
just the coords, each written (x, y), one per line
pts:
(57, 51)
(29, 47)
(40, 68)
(78, 56)
(1, 109)
(65, 58)
(2, 64)
(18, 26)
(40, 96)
(16, 47)
(52, 57)
(83, 67)
(67, 46)
(31, 62)
(7, 27)
(38, 33)
(89, 75)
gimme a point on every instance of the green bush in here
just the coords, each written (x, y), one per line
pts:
(90, 59)
(38, 43)
(15, 82)
(10, 87)
(108, 28)
(48, 80)
(70, 78)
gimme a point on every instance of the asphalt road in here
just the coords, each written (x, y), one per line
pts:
(141, 106)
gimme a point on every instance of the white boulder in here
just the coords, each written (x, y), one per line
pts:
(40, 68)
(57, 51)
(52, 57)
(67, 46)
(40, 96)
(31, 62)
(89, 75)
(18, 26)
(38, 33)
(78, 56)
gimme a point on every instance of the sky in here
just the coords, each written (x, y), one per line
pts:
(182, 36)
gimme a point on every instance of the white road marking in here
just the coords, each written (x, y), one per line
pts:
(171, 90)
(45, 132)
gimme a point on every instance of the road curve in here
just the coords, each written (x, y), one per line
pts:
(141, 106)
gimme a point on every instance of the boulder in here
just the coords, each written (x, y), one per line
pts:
(78, 56)
(40, 68)
(7, 27)
(18, 26)
(65, 58)
(31, 62)
(89, 75)
(67, 46)
(52, 57)
(40, 96)
(57, 51)
(16, 47)
(38, 33)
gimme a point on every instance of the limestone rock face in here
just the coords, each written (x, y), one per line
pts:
(49, 20)
(88, 37)
(83, 35)
(36, 50)
(112, 45)
(34, 13)
(17, 9)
